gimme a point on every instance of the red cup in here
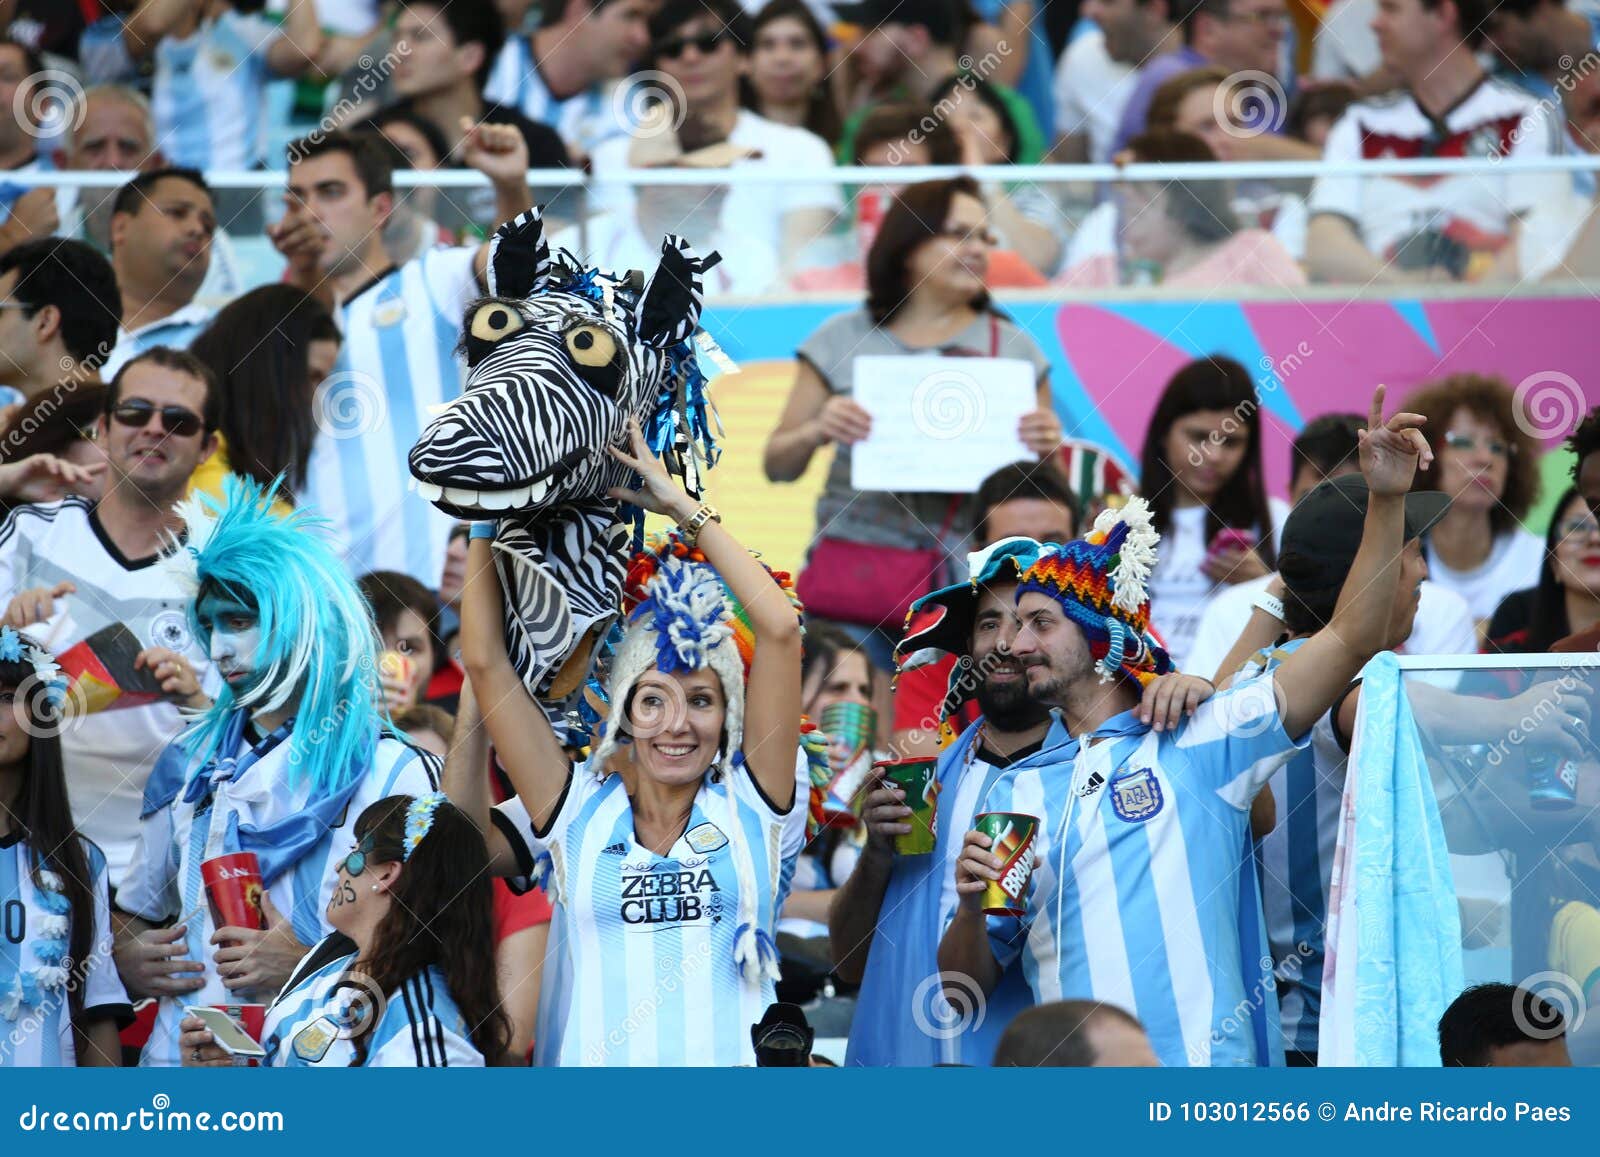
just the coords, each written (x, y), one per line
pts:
(233, 888)
(253, 1019)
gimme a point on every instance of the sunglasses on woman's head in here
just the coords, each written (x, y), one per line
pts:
(705, 44)
(136, 414)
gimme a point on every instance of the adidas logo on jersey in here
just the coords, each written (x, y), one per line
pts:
(615, 850)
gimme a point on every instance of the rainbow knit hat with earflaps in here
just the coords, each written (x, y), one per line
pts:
(1101, 583)
(681, 617)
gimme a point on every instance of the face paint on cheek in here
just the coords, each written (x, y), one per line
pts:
(344, 893)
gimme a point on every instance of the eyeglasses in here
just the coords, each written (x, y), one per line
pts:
(705, 44)
(1575, 527)
(20, 305)
(356, 862)
(136, 414)
(1467, 442)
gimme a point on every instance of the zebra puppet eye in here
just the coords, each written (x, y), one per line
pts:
(494, 320)
(591, 346)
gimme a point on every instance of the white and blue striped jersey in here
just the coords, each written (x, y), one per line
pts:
(583, 120)
(397, 361)
(1296, 861)
(164, 883)
(176, 330)
(1146, 897)
(419, 1026)
(37, 1033)
(649, 938)
(207, 96)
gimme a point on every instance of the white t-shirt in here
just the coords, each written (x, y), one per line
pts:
(1179, 589)
(1443, 625)
(1477, 209)
(107, 755)
(751, 212)
(1513, 565)
(1345, 47)
(1091, 90)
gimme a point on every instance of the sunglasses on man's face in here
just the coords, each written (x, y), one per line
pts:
(136, 415)
(705, 44)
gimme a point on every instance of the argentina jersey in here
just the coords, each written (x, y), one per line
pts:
(164, 881)
(650, 938)
(35, 932)
(207, 95)
(177, 330)
(1296, 862)
(312, 1022)
(1146, 899)
(397, 361)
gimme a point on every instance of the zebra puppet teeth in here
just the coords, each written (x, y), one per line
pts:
(508, 499)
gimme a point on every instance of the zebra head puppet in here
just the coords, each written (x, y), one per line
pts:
(559, 357)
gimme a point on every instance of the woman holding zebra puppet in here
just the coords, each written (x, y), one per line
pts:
(670, 850)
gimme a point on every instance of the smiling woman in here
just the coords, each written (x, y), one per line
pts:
(670, 851)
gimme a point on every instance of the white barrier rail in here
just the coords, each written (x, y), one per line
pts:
(1035, 174)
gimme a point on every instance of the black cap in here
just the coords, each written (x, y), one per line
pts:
(1323, 532)
(942, 18)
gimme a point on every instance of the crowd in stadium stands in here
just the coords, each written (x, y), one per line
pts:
(168, 332)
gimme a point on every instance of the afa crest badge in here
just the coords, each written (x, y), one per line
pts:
(312, 1042)
(1136, 795)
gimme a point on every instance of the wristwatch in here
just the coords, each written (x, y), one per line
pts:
(1272, 604)
(697, 522)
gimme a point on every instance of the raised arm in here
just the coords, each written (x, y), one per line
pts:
(466, 779)
(152, 20)
(772, 695)
(528, 748)
(299, 41)
(1310, 680)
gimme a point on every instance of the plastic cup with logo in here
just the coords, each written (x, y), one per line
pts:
(915, 777)
(1011, 839)
(851, 729)
(233, 888)
(1552, 783)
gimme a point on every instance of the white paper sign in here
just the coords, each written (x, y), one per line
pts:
(939, 424)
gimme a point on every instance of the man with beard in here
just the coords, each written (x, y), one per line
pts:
(1143, 895)
(885, 922)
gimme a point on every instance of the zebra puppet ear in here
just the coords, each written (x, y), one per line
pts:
(519, 257)
(669, 308)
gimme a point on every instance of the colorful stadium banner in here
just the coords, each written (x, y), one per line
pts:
(1109, 363)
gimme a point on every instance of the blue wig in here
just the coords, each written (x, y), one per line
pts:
(319, 644)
